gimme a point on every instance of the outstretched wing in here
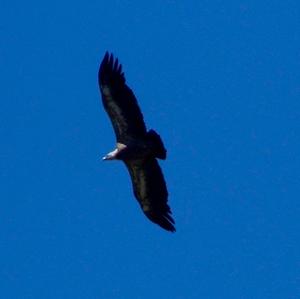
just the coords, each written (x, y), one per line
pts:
(119, 101)
(150, 190)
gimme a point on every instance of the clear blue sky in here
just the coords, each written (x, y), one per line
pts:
(219, 81)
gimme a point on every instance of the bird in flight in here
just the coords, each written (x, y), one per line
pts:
(136, 147)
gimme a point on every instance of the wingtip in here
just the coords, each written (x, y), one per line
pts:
(164, 221)
(171, 228)
(107, 58)
(110, 69)
(169, 225)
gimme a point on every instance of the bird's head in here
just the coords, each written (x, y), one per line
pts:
(111, 156)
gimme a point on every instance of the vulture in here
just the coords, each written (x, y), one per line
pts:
(138, 148)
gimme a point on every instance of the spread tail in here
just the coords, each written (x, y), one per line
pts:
(158, 146)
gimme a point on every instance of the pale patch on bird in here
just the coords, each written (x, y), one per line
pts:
(106, 91)
(113, 154)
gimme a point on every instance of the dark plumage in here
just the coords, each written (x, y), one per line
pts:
(136, 147)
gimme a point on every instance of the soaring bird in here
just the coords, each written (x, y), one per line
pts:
(136, 147)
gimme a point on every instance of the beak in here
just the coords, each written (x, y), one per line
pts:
(110, 156)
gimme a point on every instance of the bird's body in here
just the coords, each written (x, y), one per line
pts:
(136, 147)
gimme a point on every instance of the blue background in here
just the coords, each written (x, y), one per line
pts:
(219, 81)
